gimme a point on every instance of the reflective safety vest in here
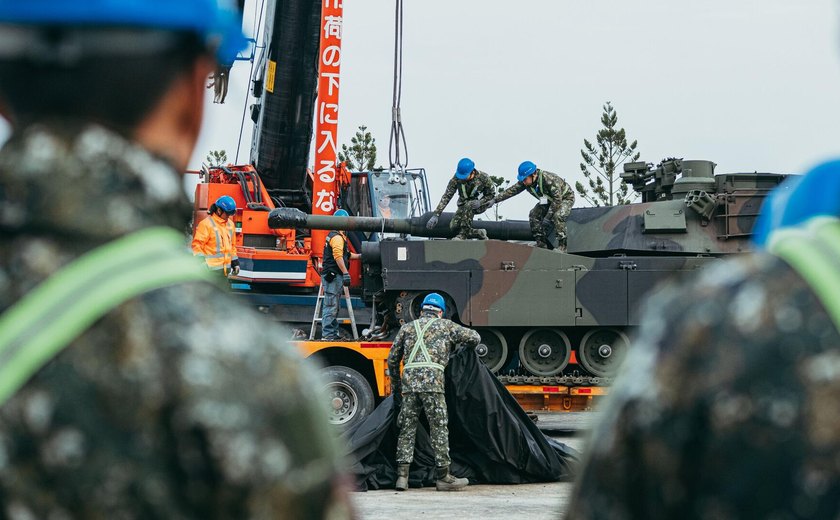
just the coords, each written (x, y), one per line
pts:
(420, 347)
(60, 309)
(813, 251)
(536, 188)
(463, 189)
(216, 244)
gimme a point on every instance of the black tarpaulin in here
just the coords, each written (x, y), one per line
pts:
(491, 439)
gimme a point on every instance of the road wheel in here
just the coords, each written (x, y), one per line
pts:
(601, 351)
(350, 396)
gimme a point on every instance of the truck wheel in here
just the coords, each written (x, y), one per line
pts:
(350, 396)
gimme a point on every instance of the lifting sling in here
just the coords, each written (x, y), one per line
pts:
(51, 316)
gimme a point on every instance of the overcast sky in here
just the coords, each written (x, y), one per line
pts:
(749, 84)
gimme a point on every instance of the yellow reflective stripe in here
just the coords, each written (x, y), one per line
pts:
(420, 347)
(814, 252)
(61, 308)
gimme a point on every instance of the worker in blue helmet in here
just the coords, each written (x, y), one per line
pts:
(335, 278)
(555, 200)
(424, 346)
(475, 194)
(158, 391)
(215, 237)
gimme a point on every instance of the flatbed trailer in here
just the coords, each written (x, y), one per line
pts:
(356, 376)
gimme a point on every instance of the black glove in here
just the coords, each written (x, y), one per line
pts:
(432, 222)
(234, 267)
(346, 279)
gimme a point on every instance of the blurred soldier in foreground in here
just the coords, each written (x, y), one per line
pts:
(729, 405)
(130, 387)
(215, 237)
(555, 197)
(425, 345)
(475, 194)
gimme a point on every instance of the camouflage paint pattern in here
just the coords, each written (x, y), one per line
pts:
(434, 404)
(440, 339)
(480, 188)
(557, 199)
(180, 403)
(616, 257)
(730, 409)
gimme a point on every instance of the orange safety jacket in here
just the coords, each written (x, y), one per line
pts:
(215, 240)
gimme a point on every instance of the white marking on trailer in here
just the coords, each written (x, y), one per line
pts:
(402, 254)
(271, 275)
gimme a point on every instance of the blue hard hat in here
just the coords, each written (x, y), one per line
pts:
(434, 300)
(525, 169)
(341, 213)
(226, 204)
(217, 22)
(465, 168)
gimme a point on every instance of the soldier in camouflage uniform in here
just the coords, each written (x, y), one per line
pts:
(179, 403)
(475, 194)
(556, 199)
(728, 403)
(425, 345)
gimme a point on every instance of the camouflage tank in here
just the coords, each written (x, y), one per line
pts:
(552, 317)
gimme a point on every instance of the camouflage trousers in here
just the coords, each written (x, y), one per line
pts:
(461, 223)
(536, 216)
(435, 405)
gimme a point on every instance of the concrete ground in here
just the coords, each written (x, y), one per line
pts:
(485, 502)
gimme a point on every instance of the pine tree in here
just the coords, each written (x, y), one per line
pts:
(601, 163)
(216, 158)
(361, 154)
(501, 184)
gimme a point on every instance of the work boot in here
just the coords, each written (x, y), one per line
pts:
(447, 482)
(402, 477)
(480, 234)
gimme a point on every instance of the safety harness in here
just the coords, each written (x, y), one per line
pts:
(472, 192)
(536, 189)
(813, 251)
(420, 347)
(56, 312)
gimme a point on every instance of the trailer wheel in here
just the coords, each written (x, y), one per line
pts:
(350, 396)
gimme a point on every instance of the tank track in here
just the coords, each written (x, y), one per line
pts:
(556, 380)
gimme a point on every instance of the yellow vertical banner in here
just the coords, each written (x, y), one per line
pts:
(269, 76)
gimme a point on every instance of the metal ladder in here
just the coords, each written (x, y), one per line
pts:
(317, 316)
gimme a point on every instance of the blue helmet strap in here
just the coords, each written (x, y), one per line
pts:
(536, 188)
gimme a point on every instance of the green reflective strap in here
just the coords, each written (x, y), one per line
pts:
(814, 253)
(420, 346)
(56, 312)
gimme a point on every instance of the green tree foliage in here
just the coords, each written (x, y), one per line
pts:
(601, 163)
(361, 154)
(501, 184)
(217, 158)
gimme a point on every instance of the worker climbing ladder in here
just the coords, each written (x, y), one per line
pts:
(350, 316)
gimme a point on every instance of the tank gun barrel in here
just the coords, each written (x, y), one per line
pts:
(284, 218)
